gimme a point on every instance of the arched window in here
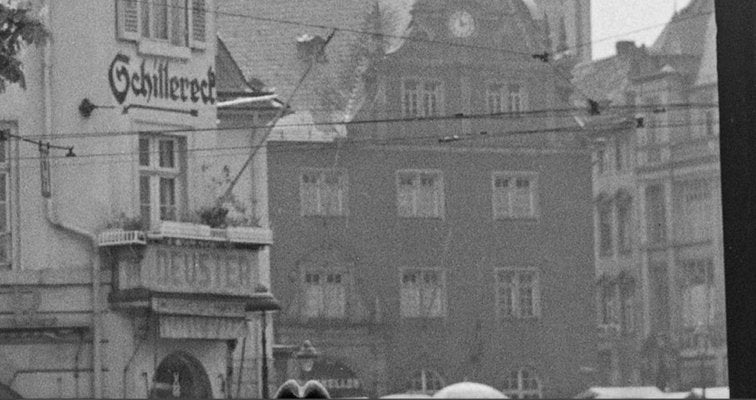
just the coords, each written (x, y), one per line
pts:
(523, 383)
(426, 381)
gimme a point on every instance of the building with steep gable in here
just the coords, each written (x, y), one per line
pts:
(446, 236)
(658, 223)
(121, 276)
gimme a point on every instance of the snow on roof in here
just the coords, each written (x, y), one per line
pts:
(622, 392)
(721, 392)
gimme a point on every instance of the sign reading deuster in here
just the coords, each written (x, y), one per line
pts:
(197, 270)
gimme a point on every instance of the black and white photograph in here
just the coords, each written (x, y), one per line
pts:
(367, 199)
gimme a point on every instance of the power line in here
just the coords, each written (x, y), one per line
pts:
(515, 116)
(302, 146)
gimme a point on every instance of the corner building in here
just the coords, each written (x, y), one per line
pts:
(113, 281)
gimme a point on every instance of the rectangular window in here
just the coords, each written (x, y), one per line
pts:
(5, 209)
(609, 305)
(422, 98)
(517, 293)
(656, 219)
(624, 223)
(159, 179)
(601, 161)
(324, 294)
(496, 96)
(620, 161)
(693, 211)
(605, 229)
(698, 293)
(627, 292)
(653, 129)
(177, 22)
(420, 194)
(515, 97)
(323, 192)
(514, 195)
(422, 293)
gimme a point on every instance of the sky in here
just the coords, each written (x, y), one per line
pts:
(611, 20)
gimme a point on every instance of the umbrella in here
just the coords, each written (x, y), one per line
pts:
(469, 390)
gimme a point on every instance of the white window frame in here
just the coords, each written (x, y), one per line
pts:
(421, 98)
(329, 287)
(438, 209)
(423, 291)
(513, 177)
(155, 172)
(6, 232)
(515, 386)
(515, 295)
(516, 99)
(321, 186)
(131, 26)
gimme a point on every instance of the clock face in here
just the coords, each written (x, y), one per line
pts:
(461, 24)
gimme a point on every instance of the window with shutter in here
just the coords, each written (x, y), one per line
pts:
(170, 26)
(128, 19)
(199, 23)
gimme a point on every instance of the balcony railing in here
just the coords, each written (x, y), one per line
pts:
(186, 230)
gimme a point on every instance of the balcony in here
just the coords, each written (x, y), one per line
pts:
(189, 231)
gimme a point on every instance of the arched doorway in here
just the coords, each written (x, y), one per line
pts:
(181, 375)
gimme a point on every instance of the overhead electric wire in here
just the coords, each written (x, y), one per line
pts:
(519, 115)
(295, 146)
(427, 40)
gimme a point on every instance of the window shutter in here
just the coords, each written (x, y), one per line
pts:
(128, 19)
(199, 12)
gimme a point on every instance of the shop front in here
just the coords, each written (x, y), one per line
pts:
(179, 306)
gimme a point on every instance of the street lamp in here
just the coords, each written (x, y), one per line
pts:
(262, 301)
(306, 356)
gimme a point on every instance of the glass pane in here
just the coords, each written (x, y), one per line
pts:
(167, 199)
(144, 200)
(160, 26)
(167, 154)
(144, 152)
(146, 18)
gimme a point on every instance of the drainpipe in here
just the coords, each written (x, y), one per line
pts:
(51, 214)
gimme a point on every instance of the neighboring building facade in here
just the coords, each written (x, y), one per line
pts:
(658, 225)
(112, 284)
(412, 259)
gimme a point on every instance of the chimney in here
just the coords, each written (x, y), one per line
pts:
(625, 48)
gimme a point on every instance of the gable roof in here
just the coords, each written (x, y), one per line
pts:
(685, 33)
(261, 35)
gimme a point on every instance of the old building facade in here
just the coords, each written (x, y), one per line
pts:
(120, 276)
(416, 249)
(658, 224)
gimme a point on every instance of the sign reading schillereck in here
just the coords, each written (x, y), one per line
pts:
(154, 80)
(177, 269)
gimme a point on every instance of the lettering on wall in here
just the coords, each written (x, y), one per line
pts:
(192, 270)
(156, 80)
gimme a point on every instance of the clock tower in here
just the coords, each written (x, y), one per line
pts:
(499, 24)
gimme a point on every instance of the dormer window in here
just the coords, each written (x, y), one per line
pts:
(311, 48)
